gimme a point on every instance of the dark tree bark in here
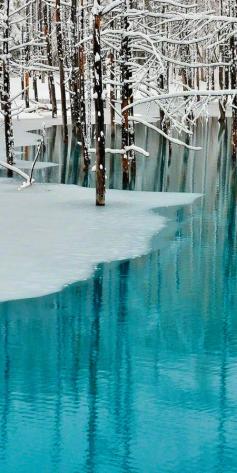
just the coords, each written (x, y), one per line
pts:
(225, 70)
(83, 125)
(6, 100)
(99, 110)
(35, 87)
(186, 73)
(22, 61)
(112, 93)
(52, 91)
(221, 71)
(161, 78)
(61, 70)
(127, 99)
(233, 79)
(112, 87)
(74, 65)
(27, 57)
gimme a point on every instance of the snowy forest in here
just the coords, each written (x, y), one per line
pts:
(99, 62)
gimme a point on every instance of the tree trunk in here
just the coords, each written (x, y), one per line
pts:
(112, 94)
(112, 87)
(233, 73)
(75, 113)
(52, 92)
(127, 99)
(61, 71)
(6, 91)
(99, 110)
(27, 57)
(35, 87)
(83, 124)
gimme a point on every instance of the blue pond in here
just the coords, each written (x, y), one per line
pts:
(135, 370)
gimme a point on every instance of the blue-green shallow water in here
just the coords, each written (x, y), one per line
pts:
(134, 370)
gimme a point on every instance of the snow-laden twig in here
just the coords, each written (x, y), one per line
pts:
(123, 151)
(189, 93)
(162, 133)
(111, 6)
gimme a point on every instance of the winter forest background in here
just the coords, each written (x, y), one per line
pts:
(98, 62)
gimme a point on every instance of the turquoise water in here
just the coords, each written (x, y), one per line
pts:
(135, 370)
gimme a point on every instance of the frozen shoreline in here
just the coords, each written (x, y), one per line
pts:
(53, 235)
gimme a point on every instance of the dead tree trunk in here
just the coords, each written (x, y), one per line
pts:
(35, 87)
(27, 57)
(186, 74)
(225, 71)
(127, 99)
(36, 25)
(6, 99)
(74, 65)
(22, 53)
(221, 73)
(61, 71)
(233, 79)
(112, 93)
(111, 59)
(83, 124)
(52, 91)
(161, 78)
(99, 109)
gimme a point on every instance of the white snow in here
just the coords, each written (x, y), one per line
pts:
(97, 57)
(54, 235)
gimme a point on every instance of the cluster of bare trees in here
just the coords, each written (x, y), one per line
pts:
(114, 56)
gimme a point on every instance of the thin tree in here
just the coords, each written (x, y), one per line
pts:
(59, 37)
(99, 108)
(6, 99)
(52, 91)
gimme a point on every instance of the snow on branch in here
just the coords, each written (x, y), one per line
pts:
(111, 6)
(162, 133)
(185, 94)
(27, 182)
(123, 151)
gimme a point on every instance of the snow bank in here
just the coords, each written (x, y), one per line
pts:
(52, 235)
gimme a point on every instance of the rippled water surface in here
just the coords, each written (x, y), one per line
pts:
(134, 370)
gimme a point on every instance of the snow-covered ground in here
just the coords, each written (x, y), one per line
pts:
(54, 235)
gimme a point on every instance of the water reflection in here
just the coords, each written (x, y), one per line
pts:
(135, 369)
(169, 167)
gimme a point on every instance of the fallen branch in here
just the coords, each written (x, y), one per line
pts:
(28, 178)
(28, 182)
